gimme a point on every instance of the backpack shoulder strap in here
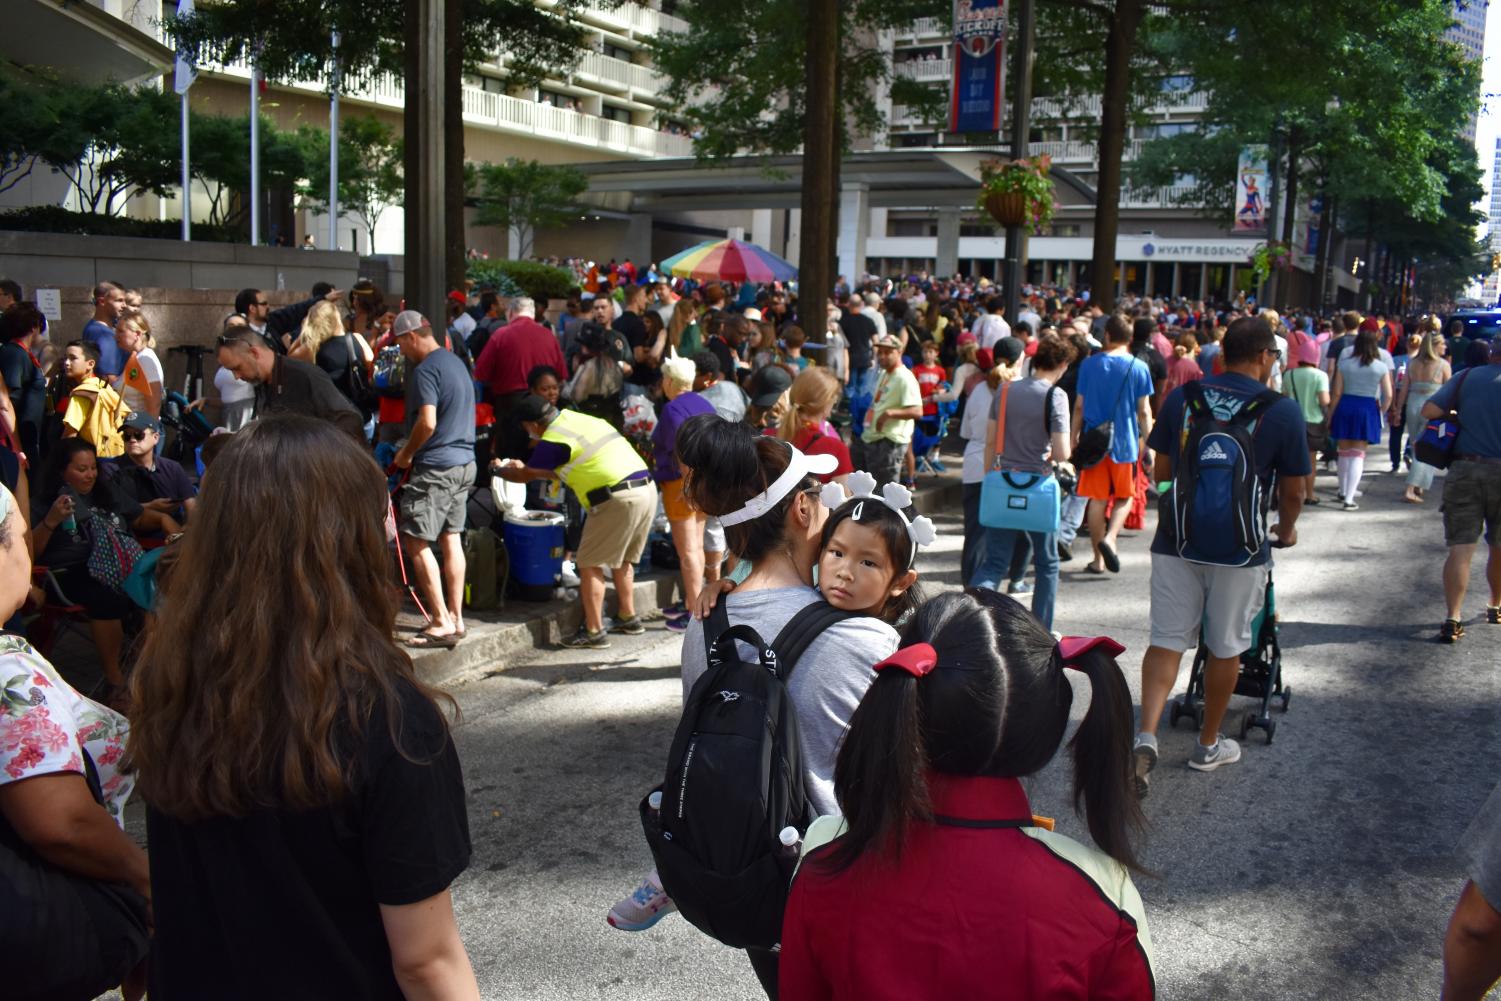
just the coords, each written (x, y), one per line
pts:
(1000, 420)
(1255, 405)
(801, 630)
(1193, 398)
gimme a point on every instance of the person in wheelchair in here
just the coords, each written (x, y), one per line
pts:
(74, 512)
(155, 482)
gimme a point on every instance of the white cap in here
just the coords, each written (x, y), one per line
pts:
(788, 837)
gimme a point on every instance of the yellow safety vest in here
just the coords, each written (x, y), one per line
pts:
(599, 455)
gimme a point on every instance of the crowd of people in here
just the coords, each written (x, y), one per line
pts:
(303, 794)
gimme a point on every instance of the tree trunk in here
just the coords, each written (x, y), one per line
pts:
(453, 151)
(411, 161)
(820, 167)
(1368, 266)
(1289, 214)
(1325, 250)
(1119, 43)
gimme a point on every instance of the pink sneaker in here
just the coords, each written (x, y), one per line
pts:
(647, 905)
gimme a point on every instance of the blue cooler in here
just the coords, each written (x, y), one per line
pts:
(534, 546)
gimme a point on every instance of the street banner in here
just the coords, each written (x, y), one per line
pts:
(1250, 190)
(978, 89)
(186, 71)
(1309, 217)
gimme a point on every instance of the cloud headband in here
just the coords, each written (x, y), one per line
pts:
(893, 495)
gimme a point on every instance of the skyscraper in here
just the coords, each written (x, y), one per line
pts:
(1468, 31)
(1492, 284)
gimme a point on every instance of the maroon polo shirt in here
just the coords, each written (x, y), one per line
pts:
(513, 351)
(974, 913)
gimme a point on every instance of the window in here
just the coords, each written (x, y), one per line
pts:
(615, 114)
(1177, 84)
(910, 140)
(1163, 130)
(912, 227)
(617, 52)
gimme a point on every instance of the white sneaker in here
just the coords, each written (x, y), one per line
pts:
(1206, 759)
(568, 576)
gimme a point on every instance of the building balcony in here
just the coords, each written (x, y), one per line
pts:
(629, 19)
(925, 69)
(1158, 198)
(513, 114)
(927, 27)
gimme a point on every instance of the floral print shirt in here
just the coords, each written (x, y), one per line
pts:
(45, 725)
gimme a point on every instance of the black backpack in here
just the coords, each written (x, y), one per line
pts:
(734, 782)
(1219, 508)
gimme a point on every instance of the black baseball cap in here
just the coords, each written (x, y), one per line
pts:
(534, 408)
(768, 385)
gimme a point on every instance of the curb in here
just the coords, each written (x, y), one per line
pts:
(523, 628)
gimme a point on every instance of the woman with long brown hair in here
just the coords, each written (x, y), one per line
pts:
(683, 335)
(305, 807)
(1427, 371)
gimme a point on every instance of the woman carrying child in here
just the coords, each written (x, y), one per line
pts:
(768, 497)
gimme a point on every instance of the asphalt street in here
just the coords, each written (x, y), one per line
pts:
(1321, 866)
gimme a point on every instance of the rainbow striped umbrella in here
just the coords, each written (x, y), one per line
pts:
(731, 261)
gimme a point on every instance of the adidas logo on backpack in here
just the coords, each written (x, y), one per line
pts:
(1213, 453)
(1218, 505)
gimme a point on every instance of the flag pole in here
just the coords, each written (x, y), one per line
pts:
(333, 151)
(187, 180)
(255, 154)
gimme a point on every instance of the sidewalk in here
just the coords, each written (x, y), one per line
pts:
(496, 637)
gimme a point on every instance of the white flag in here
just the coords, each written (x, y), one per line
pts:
(186, 71)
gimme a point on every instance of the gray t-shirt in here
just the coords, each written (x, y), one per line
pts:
(1028, 439)
(826, 685)
(443, 381)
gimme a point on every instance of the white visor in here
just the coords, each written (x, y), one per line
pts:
(801, 465)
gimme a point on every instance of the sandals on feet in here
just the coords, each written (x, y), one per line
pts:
(425, 640)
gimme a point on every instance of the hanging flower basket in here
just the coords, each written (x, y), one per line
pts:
(1018, 192)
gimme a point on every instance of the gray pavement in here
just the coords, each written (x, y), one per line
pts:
(1322, 866)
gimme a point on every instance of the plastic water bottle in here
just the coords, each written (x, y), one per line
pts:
(70, 523)
(654, 803)
(792, 842)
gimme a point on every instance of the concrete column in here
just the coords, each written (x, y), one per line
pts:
(1147, 279)
(1120, 286)
(1177, 278)
(794, 235)
(854, 229)
(761, 228)
(946, 260)
(1073, 274)
(638, 238)
(1204, 281)
(1230, 284)
(735, 233)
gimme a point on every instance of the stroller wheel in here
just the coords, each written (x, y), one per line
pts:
(1174, 713)
(1287, 695)
(1245, 725)
(1271, 730)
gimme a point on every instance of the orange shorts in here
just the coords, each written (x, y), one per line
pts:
(1107, 479)
(675, 504)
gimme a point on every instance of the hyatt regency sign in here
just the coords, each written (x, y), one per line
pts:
(1219, 251)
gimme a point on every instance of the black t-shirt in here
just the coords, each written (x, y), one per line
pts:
(28, 392)
(634, 329)
(299, 388)
(1154, 362)
(858, 329)
(286, 905)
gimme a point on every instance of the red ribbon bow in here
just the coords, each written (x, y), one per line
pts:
(1071, 648)
(917, 660)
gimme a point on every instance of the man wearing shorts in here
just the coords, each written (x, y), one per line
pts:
(1472, 490)
(439, 452)
(620, 500)
(1113, 386)
(894, 412)
(1211, 604)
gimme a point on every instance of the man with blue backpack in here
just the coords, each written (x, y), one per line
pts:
(1223, 442)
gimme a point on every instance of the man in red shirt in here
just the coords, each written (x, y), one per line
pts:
(509, 356)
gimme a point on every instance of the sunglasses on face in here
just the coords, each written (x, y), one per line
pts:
(133, 435)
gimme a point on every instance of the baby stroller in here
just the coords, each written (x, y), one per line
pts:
(929, 432)
(1260, 676)
(189, 429)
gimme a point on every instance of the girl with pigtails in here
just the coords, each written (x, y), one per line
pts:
(939, 882)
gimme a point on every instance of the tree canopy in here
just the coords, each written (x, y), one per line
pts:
(370, 169)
